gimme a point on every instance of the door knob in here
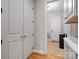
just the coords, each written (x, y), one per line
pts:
(22, 36)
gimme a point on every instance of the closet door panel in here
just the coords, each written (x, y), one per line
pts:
(15, 20)
(28, 17)
(15, 50)
(28, 45)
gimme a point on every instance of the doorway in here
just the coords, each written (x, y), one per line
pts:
(54, 27)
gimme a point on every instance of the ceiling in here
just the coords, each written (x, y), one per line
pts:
(55, 6)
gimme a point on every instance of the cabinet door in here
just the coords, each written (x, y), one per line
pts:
(68, 8)
(12, 19)
(69, 53)
(28, 45)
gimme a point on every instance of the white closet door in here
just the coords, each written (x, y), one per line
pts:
(15, 19)
(4, 18)
(12, 29)
(28, 17)
(28, 27)
(28, 45)
(15, 50)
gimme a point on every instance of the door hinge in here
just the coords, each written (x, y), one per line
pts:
(1, 42)
(32, 8)
(32, 34)
(1, 10)
(32, 47)
(32, 21)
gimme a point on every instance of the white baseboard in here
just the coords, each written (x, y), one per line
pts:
(40, 51)
(52, 40)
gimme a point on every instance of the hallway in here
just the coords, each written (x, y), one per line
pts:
(53, 49)
(28, 25)
(54, 52)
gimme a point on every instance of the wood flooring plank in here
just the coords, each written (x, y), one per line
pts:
(41, 56)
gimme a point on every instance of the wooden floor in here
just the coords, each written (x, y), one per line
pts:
(40, 56)
(53, 49)
(54, 52)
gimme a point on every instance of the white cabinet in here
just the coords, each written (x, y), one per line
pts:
(17, 29)
(70, 8)
(69, 53)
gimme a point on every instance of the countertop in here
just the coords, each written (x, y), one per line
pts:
(73, 43)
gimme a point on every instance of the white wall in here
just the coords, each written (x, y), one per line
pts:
(55, 19)
(40, 31)
(54, 25)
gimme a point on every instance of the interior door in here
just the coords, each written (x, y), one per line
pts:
(12, 23)
(28, 27)
(28, 16)
(28, 46)
(4, 18)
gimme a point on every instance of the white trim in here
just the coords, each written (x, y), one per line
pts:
(40, 51)
(53, 40)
